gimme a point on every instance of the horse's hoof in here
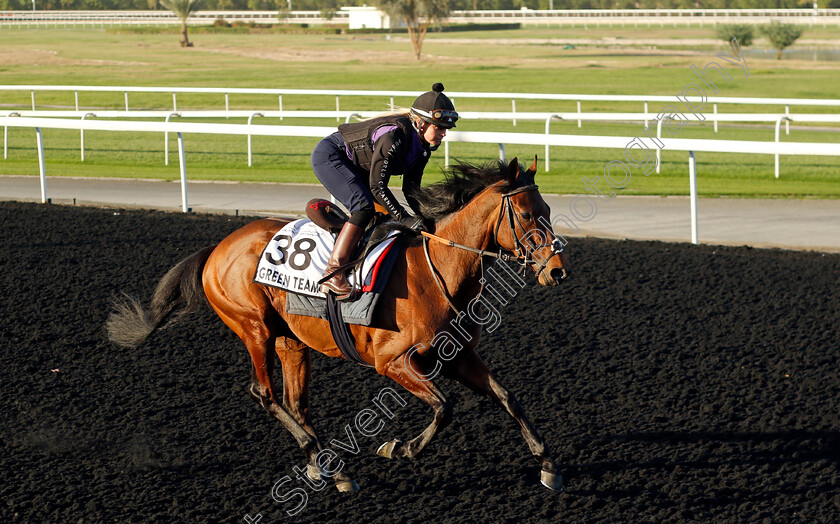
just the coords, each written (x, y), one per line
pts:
(387, 449)
(313, 472)
(347, 486)
(553, 481)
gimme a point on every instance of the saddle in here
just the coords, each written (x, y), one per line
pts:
(326, 215)
(330, 217)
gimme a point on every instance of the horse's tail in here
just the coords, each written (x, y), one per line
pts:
(180, 289)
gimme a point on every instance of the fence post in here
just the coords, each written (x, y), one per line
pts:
(547, 130)
(445, 153)
(33, 99)
(658, 149)
(646, 114)
(280, 102)
(76, 93)
(787, 123)
(501, 152)
(126, 100)
(778, 125)
(692, 181)
(227, 103)
(337, 108)
(182, 161)
(166, 140)
(41, 167)
(513, 103)
(714, 110)
(6, 137)
(392, 104)
(250, 119)
(579, 121)
(82, 133)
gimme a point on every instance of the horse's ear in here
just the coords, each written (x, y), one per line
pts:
(513, 170)
(533, 168)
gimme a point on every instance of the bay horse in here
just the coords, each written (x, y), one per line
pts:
(494, 210)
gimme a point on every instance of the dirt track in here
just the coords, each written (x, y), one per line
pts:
(672, 382)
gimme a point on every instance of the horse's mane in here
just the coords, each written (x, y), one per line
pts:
(462, 183)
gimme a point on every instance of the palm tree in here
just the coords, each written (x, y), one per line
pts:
(183, 9)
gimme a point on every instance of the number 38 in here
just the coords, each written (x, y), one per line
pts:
(301, 248)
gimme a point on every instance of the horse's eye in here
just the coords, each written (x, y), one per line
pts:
(526, 215)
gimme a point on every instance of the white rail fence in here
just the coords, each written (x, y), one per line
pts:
(523, 16)
(548, 118)
(392, 95)
(180, 128)
(410, 95)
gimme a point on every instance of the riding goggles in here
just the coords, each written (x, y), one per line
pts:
(445, 117)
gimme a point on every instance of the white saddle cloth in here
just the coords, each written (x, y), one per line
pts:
(297, 256)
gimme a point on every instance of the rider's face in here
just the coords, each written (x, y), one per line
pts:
(434, 134)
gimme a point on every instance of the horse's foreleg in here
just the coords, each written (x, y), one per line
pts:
(474, 373)
(428, 393)
(296, 362)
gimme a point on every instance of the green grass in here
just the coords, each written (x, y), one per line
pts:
(96, 57)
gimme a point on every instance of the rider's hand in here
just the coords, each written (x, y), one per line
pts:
(414, 223)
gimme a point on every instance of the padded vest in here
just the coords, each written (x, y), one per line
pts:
(359, 136)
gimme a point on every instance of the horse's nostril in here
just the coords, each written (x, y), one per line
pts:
(558, 274)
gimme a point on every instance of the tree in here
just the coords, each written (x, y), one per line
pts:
(781, 35)
(418, 16)
(742, 33)
(183, 9)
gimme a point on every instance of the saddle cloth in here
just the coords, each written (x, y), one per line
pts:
(297, 255)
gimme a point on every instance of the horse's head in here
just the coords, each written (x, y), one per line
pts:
(523, 226)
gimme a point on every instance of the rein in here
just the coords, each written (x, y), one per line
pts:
(502, 254)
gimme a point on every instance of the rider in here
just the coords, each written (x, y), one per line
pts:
(356, 163)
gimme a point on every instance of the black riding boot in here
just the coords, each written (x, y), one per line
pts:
(346, 242)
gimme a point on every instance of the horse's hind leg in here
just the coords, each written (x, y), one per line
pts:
(296, 362)
(264, 392)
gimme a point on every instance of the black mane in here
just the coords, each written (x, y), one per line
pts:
(462, 183)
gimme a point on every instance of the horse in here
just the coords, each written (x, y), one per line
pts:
(478, 211)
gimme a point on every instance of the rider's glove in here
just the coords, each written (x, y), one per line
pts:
(414, 223)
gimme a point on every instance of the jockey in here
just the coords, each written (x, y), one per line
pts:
(356, 163)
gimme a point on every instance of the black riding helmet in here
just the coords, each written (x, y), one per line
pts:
(435, 108)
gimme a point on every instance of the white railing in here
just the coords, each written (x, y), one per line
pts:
(410, 95)
(668, 14)
(162, 17)
(548, 118)
(672, 144)
(526, 16)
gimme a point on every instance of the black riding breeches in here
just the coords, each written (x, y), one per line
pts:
(336, 172)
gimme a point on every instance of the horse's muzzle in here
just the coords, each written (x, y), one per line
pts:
(558, 275)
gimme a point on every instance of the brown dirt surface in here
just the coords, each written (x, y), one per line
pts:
(308, 54)
(43, 57)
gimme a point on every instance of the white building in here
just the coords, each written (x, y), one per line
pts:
(366, 17)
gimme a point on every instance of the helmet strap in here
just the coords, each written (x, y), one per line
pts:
(421, 126)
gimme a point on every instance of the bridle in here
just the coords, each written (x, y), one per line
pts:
(513, 220)
(519, 253)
